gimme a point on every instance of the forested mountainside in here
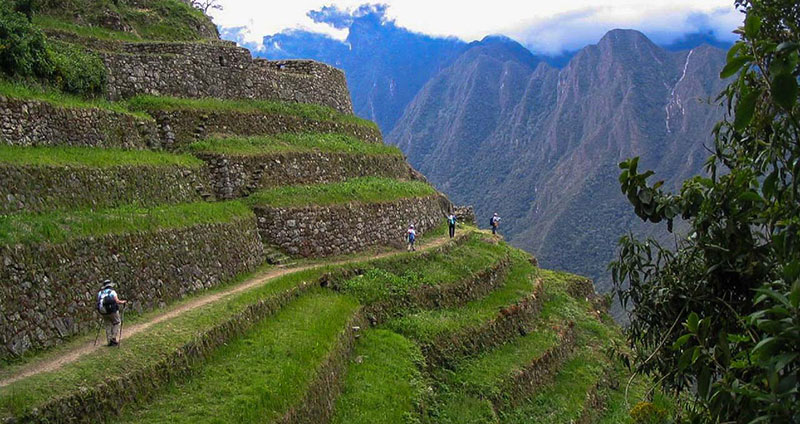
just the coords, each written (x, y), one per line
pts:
(541, 145)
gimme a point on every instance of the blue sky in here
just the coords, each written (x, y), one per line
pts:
(548, 27)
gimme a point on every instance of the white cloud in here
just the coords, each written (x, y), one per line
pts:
(548, 26)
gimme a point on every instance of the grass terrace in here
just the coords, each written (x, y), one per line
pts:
(329, 143)
(303, 110)
(143, 350)
(236, 385)
(485, 374)
(91, 157)
(150, 19)
(383, 383)
(564, 401)
(146, 349)
(364, 190)
(26, 91)
(53, 23)
(387, 279)
(477, 378)
(425, 326)
(58, 227)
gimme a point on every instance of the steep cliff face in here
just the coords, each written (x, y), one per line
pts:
(541, 145)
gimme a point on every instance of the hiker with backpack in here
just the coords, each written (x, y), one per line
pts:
(108, 306)
(494, 222)
(451, 222)
(411, 235)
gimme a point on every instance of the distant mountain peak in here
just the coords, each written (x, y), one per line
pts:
(624, 38)
(503, 48)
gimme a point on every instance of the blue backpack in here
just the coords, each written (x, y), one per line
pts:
(106, 302)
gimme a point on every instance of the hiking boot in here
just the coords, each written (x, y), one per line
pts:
(113, 343)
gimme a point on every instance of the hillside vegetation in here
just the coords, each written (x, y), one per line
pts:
(226, 322)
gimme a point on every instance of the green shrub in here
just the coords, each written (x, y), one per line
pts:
(23, 50)
(26, 54)
(648, 413)
(76, 70)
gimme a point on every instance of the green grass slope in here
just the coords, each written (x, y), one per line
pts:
(162, 20)
(303, 110)
(55, 227)
(91, 157)
(328, 143)
(384, 383)
(425, 326)
(364, 190)
(261, 375)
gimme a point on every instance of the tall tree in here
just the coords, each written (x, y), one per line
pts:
(715, 318)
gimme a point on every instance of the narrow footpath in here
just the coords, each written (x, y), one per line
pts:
(72, 355)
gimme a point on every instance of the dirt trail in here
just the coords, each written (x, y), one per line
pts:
(72, 355)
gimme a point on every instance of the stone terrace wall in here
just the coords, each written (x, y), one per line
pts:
(46, 188)
(465, 214)
(39, 123)
(179, 128)
(239, 176)
(49, 290)
(316, 231)
(223, 71)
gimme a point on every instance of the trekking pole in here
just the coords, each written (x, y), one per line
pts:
(121, 322)
(99, 326)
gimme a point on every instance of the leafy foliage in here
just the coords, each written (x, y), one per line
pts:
(76, 70)
(717, 318)
(26, 54)
(23, 50)
(648, 413)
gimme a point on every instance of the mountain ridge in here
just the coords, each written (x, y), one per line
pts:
(387, 64)
(548, 160)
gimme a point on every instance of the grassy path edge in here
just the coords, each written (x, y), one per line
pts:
(95, 401)
(72, 355)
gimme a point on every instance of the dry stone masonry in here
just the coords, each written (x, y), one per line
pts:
(179, 128)
(47, 188)
(339, 229)
(40, 123)
(221, 70)
(237, 176)
(49, 290)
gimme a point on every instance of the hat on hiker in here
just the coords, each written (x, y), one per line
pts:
(108, 283)
(495, 214)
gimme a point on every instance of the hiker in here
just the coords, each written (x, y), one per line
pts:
(494, 222)
(451, 222)
(108, 305)
(411, 235)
